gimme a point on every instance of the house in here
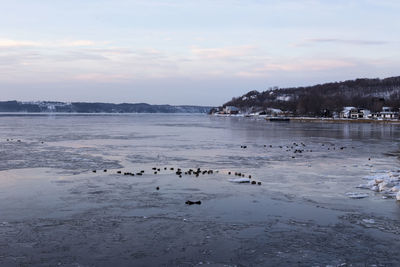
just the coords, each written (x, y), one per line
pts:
(354, 113)
(231, 110)
(274, 112)
(387, 113)
(346, 112)
(365, 113)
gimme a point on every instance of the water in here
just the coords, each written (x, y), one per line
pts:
(55, 210)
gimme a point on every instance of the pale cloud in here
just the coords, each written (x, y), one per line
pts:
(385, 3)
(83, 61)
(74, 55)
(233, 52)
(17, 58)
(75, 43)
(359, 42)
(299, 65)
(101, 77)
(312, 65)
(103, 62)
(9, 43)
(7, 60)
(217, 45)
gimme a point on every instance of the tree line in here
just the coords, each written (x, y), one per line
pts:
(322, 99)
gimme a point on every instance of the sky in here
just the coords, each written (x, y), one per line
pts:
(198, 52)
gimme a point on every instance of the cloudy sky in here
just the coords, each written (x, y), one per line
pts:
(200, 52)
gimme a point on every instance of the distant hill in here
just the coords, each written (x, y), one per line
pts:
(313, 100)
(82, 107)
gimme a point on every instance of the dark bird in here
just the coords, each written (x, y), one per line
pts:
(193, 202)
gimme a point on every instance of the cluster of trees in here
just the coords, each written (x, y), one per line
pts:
(316, 100)
(82, 107)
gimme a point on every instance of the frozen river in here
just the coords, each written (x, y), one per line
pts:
(54, 210)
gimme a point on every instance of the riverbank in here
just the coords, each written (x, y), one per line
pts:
(340, 120)
(310, 119)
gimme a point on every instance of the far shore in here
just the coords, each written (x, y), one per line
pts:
(342, 120)
(314, 119)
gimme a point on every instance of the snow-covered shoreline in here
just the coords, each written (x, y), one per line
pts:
(386, 182)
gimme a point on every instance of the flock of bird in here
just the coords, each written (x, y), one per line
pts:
(195, 172)
(179, 172)
(298, 148)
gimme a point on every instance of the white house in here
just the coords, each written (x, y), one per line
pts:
(387, 113)
(365, 113)
(346, 112)
(231, 110)
(354, 113)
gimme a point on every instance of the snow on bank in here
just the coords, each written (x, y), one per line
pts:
(387, 183)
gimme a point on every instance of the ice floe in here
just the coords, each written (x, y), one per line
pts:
(356, 195)
(386, 182)
(370, 221)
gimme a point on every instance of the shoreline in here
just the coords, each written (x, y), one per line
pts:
(339, 120)
(311, 119)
